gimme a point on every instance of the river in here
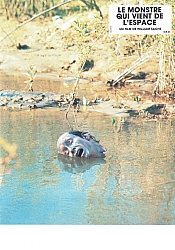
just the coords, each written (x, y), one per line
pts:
(133, 185)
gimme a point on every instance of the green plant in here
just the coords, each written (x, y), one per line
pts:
(31, 75)
(113, 121)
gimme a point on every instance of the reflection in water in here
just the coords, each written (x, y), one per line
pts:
(134, 184)
(77, 165)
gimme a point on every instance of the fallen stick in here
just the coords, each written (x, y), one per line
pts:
(133, 66)
(34, 17)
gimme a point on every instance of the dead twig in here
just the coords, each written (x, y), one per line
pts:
(34, 17)
(133, 66)
(7, 35)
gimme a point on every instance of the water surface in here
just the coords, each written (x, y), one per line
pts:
(135, 184)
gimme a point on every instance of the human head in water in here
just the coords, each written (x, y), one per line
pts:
(79, 144)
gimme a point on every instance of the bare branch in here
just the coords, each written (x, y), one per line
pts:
(133, 66)
(34, 17)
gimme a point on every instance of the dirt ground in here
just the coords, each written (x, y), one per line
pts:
(52, 46)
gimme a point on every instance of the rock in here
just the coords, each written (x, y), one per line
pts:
(4, 101)
(156, 109)
(68, 24)
(16, 99)
(44, 104)
(23, 47)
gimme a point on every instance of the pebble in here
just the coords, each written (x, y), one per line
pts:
(29, 100)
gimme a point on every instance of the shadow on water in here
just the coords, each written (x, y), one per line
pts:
(134, 184)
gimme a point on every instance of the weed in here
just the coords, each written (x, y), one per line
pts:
(113, 121)
(31, 75)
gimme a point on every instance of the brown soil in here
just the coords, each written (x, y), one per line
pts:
(54, 54)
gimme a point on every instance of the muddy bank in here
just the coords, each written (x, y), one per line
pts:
(52, 46)
(10, 100)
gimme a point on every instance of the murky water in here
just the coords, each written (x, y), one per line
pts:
(51, 83)
(135, 184)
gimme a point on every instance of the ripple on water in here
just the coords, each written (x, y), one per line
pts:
(135, 184)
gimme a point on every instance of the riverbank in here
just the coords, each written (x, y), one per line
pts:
(16, 100)
(53, 47)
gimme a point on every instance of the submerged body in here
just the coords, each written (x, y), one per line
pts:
(80, 144)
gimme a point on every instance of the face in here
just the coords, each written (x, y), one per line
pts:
(75, 146)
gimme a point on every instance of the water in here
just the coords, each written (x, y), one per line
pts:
(135, 184)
